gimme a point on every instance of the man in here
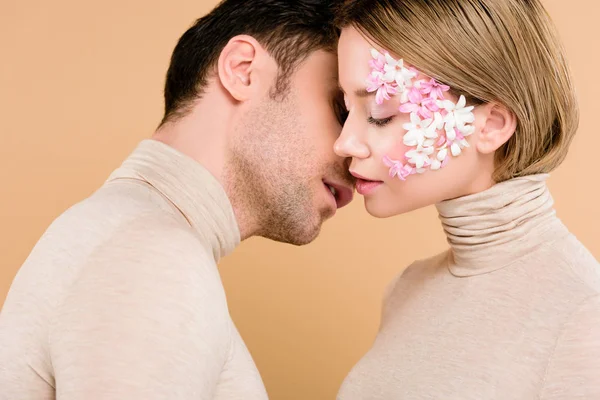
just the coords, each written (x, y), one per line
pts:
(121, 297)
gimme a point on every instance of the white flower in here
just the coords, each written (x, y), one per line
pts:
(391, 67)
(435, 165)
(467, 130)
(403, 95)
(442, 154)
(438, 121)
(404, 78)
(394, 70)
(458, 117)
(457, 147)
(450, 132)
(419, 157)
(421, 132)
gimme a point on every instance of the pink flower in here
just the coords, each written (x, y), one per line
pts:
(441, 141)
(406, 171)
(409, 108)
(398, 169)
(430, 104)
(422, 109)
(434, 89)
(384, 89)
(440, 160)
(378, 61)
(394, 165)
(414, 95)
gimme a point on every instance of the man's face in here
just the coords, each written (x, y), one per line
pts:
(283, 167)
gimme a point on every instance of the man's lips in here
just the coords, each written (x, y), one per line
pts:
(343, 193)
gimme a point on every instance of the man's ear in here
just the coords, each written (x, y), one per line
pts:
(498, 125)
(236, 66)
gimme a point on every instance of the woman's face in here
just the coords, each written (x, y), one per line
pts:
(375, 131)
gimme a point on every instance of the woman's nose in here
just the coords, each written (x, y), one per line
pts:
(349, 144)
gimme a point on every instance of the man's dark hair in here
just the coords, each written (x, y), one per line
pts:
(290, 30)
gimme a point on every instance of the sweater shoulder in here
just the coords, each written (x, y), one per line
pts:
(418, 271)
(426, 267)
(573, 263)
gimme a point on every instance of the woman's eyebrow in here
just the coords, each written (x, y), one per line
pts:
(358, 92)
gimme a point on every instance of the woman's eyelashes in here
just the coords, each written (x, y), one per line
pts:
(379, 121)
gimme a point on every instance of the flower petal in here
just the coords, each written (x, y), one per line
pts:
(404, 95)
(388, 161)
(455, 149)
(410, 140)
(389, 76)
(414, 96)
(451, 134)
(409, 108)
(447, 105)
(442, 154)
(446, 160)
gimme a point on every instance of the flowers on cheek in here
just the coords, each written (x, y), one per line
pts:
(384, 90)
(434, 89)
(397, 169)
(438, 127)
(421, 133)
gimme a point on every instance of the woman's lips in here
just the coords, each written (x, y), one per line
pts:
(364, 185)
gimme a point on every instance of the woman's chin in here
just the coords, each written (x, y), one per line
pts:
(385, 208)
(379, 209)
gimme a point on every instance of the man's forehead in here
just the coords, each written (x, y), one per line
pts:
(321, 65)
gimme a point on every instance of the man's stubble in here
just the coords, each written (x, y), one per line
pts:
(269, 172)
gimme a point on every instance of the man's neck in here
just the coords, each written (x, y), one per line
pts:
(206, 142)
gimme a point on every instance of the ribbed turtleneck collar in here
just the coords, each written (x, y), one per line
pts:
(193, 190)
(491, 229)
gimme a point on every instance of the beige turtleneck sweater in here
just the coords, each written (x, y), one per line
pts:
(121, 297)
(510, 312)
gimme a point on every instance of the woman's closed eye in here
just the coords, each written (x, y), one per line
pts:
(380, 122)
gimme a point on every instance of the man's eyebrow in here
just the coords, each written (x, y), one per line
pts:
(358, 92)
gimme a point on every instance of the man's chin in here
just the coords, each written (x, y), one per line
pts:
(310, 234)
(299, 234)
(301, 242)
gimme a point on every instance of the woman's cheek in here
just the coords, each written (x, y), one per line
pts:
(392, 146)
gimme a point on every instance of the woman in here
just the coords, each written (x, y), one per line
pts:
(468, 104)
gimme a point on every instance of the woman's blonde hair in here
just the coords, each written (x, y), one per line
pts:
(506, 51)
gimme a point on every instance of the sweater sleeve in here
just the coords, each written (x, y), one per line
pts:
(142, 322)
(574, 369)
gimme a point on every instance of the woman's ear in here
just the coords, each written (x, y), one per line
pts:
(236, 66)
(498, 125)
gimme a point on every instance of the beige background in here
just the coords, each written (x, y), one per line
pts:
(80, 85)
